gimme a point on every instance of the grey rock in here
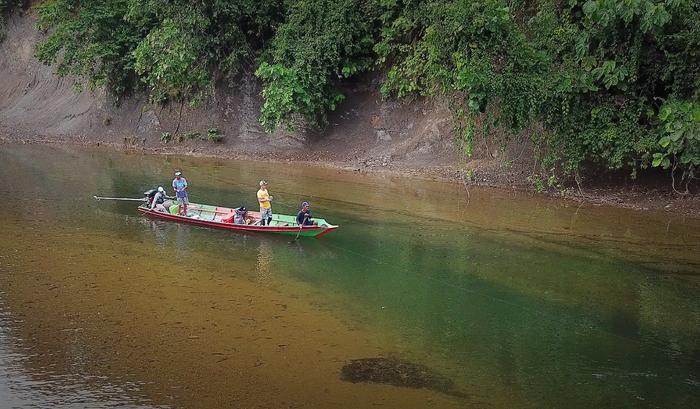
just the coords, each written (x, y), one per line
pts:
(149, 122)
(383, 135)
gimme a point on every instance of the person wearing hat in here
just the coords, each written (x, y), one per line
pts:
(241, 215)
(180, 187)
(158, 200)
(304, 216)
(264, 199)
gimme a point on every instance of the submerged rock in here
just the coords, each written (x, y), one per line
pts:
(397, 372)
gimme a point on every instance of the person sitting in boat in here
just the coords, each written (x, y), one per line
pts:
(158, 200)
(156, 197)
(304, 216)
(149, 195)
(241, 216)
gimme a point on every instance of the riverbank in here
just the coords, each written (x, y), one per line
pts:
(651, 194)
(366, 133)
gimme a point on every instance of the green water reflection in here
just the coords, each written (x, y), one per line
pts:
(556, 304)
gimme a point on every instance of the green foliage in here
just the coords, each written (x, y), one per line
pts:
(541, 185)
(214, 135)
(90, 40)
(319, 41)
(167, 61)
(285, 94)
(192, 135)
(606, 70)
(175, 48)
(537, 183)
(591, 74)
(189, 43)
(166, 137)
(553, 182)
(471, 52)
(679, 138)
(469, 176)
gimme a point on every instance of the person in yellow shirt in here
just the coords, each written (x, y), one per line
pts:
(264, 199)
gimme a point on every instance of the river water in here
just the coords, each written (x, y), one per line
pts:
(512, 300)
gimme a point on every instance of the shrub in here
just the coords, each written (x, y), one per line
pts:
(321, 40)
(679, 140)
(214, 135)
(591, 74)
(192, 135)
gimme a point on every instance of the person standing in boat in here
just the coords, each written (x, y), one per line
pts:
(180, 187)
(264, 199)
(304, 216)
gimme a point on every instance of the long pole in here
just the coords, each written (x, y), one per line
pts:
(207, 210)
(127, 199)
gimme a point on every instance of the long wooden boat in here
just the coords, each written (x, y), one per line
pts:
(215, 216)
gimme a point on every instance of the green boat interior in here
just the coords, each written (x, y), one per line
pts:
(220, 214)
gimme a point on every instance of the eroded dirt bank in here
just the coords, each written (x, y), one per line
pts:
(366, 134)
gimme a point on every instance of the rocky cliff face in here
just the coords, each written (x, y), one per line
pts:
(32, 99)
(365, 130)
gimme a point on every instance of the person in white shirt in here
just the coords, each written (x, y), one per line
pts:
(158, 202)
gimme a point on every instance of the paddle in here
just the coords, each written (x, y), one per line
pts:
(301, 226)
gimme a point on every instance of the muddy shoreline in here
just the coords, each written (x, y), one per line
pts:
(639, 197)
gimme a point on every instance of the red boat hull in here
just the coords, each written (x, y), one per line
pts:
(306, 231)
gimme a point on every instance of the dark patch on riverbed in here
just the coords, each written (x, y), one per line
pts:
(397, 372)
